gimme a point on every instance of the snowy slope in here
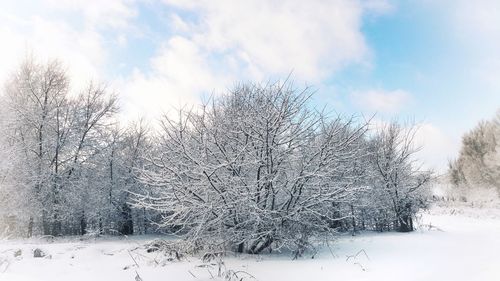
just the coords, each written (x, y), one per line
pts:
(455, 247)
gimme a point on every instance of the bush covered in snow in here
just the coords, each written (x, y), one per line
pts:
(257, 168)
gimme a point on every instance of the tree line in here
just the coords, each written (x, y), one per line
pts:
(254, 169)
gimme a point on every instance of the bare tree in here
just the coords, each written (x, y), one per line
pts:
(55, 136)
(34, 96)
(399, 187)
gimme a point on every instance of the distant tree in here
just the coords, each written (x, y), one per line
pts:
(478, 163)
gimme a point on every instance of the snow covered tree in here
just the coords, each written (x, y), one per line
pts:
(67, 166)
(34, 98)
(478, 163)
(399, 187)
(54, 137)
(253, 168)
(125, 155)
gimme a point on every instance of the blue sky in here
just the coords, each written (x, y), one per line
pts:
(435, 62)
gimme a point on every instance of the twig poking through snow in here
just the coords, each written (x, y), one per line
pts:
(4, 264)
(354, 257)
(194, 276)
(137, 276)
(357, 254)
(133, 259)
(362, 267)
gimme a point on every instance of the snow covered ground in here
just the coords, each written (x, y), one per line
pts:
(459, 246)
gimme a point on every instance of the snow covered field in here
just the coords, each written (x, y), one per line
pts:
(455, 247)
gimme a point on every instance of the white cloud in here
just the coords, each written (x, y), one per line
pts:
(378, 6)
(44, 29)
(98, 13)
(179, 74)
(476, 24)
(381, 100)
(9, 53)
(214, 43)
(80, 51)
(479, 17)
(224, 41)
(436, 147)
(312, 38)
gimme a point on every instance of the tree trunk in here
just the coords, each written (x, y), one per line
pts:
(353, 221)
(241, 247)
(83, 224)
(127, 227)
(30, 227)
(56, 225)
(260, 245)
(45, 223)
(405, 224)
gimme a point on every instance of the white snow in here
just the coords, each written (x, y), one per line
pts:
(446, 247)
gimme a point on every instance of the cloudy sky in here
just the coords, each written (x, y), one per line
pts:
(435, 62)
